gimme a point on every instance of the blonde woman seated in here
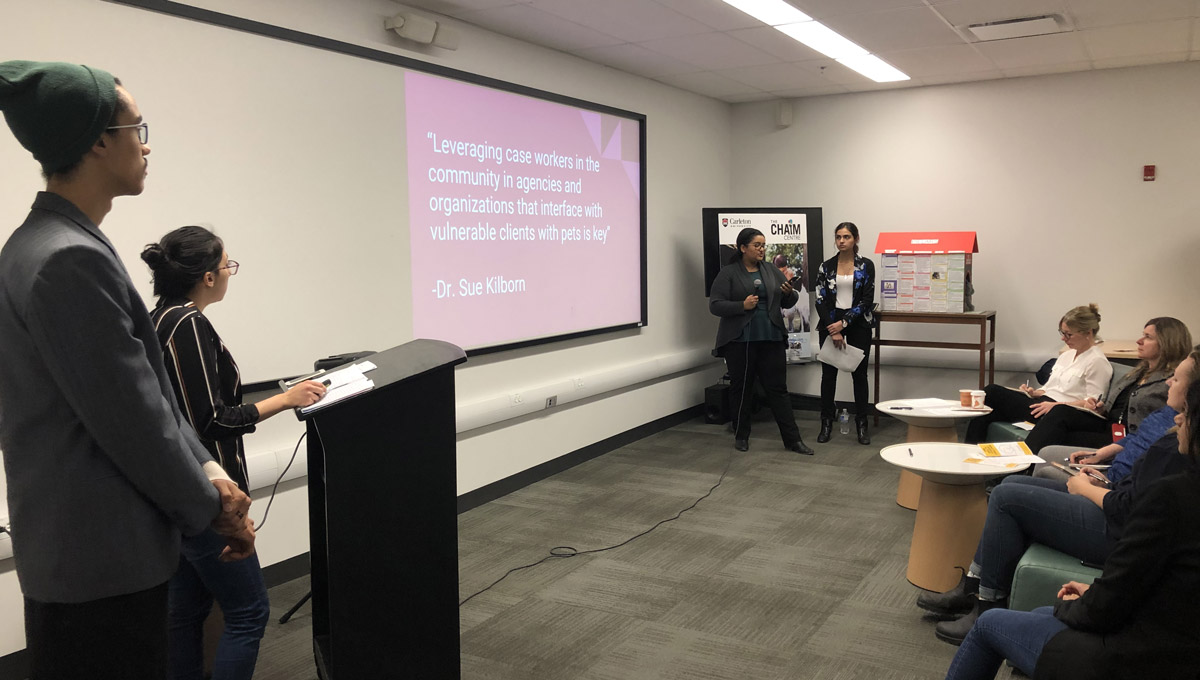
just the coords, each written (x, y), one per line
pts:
(1081, 373)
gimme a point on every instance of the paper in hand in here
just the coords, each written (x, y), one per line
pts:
(846, 359)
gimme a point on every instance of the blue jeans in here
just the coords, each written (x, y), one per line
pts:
(238, 587)
(1001, 634)
(1024, 510)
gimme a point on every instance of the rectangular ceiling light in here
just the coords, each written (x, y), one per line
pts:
(874, 68)
(799, 26)
(770, 12)
(823, 39)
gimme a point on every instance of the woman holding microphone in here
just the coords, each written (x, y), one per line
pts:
(191, 271)
(748, 295)
(845, 304)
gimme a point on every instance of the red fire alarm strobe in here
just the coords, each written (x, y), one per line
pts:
(1147, 173)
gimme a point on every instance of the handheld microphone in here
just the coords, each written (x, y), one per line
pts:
(757, 283)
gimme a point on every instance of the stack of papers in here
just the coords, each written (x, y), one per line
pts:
(343, 383)
(1005, 455)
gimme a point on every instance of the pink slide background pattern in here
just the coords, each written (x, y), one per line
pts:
(569, 287)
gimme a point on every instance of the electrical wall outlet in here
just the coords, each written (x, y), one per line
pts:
(579, 383)
(552, 401)
(515, 398)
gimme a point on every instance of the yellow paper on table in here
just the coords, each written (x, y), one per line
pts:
(981, 461)
(1005, 449)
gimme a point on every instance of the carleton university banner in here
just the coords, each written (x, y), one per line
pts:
(787, 250)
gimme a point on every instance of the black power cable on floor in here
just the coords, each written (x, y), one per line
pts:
(565, 551)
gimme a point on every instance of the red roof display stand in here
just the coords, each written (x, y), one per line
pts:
(925, 271)
(927, 242)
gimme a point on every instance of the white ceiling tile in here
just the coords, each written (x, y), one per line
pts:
(820, 9)
(812, 91)
(1140, 60)
(1138, 39)
(1096, 13)
(636, 59)
(630, 20)
(776, 44)
(746, 98)
(1035, 51)
(1047, 69)
(709, 83)
(895, 30)
(712, 13)
(710, 51)
(965, 12)
(832, 72)
(974, 76)
(938, 61)
(773, 77)
(454, 8)
(528, 24)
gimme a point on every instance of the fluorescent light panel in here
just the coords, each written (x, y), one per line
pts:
(770, 12)
(800, 27)
(874, 68)
(822, 39)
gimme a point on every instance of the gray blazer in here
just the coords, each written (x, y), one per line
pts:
(730, 289)
(103, 472)
(1143, 400)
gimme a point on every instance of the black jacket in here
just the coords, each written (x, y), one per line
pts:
(1140, 618)
(728, 292)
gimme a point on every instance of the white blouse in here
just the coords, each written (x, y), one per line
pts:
(845, 291)
(1077, 377)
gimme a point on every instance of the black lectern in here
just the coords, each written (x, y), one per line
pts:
(383, 529)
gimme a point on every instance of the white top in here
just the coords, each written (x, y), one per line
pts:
(845, 291)
(928, 412)
(1078, 377)
(944, 462)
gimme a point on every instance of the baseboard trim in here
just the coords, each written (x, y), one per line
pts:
(503, 487)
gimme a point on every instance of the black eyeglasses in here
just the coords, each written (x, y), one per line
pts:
(143, 130)
(232, 266)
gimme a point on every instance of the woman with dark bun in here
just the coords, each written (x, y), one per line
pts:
(845, 305)
(749, 294)
(191, 271)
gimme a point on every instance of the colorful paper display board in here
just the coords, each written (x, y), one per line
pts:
(926, 271)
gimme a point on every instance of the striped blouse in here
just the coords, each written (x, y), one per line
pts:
(207, 383)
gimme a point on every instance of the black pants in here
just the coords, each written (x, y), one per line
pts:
(1008, 406)
(858, 334)
(116, 638)
(767, 362)
(1070, 427)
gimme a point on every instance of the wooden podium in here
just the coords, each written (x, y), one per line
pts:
(382, 494)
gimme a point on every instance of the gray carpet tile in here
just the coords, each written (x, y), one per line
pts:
(669, 653)
(792, 569)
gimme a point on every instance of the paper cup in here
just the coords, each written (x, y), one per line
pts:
(977, 397)
(964, 398)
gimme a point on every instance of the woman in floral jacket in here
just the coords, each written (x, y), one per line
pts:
(845, 302)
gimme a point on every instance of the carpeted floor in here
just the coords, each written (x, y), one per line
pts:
(793, 568)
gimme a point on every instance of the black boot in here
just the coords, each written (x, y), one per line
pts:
(799, 446)
(863, 437)
(826, 430)
(954, 602)
(954, 631)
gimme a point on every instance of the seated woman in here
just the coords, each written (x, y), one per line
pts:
(1164, 343)
(1137, 620)
(1080, 373)
(1085, 523)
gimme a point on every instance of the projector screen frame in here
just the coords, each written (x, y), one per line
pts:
(271, 31)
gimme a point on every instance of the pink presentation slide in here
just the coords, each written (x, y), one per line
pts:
(524, 215)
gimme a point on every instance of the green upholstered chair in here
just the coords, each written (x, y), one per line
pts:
(1040, 573)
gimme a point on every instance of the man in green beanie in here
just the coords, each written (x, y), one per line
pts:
(103, 472)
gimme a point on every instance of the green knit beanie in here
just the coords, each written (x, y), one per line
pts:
(57, 111)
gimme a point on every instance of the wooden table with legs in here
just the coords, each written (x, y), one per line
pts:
(986, 345)
(952, 510)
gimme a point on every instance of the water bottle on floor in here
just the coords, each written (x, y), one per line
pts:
(844, 421)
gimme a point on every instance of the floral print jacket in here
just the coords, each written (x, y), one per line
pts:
(864, 292)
